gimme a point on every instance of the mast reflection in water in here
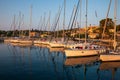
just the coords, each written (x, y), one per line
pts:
(19, 62)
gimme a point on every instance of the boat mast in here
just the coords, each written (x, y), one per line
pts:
(80, 18)
(106, 19)
(115, 13)
(19, 23)
(57, 32)
(74, 22)
(74, 13)
(49, 23)
(44, 22)
(86, 23)
(14, 25)
(64, 20)
(22, 24)
(41, 26)
(30, 20)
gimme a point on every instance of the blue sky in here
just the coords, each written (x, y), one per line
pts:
(9, 8)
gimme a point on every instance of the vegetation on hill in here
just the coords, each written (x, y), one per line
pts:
(99, 30)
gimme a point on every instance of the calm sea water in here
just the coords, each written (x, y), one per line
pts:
(37, 63)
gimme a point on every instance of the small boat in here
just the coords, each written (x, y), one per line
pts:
(11, 40)
(81, 60)
(37, 41)
(14, 40)
(14, 44)
(42, 41)
(56, 44)
(56, 49)
(110, 57)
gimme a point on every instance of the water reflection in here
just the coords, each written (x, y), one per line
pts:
(109, 70)
(81, 60)
(79, 67)
(30, 62)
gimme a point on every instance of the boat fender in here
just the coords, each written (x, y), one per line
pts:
(98, 52)
(72, 47)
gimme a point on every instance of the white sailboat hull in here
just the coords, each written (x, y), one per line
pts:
(6, 40)
(14, 41)
(37, 42)
(45, 42)
(56, 45)
(26, 41)
(79, 53)
(110, 57)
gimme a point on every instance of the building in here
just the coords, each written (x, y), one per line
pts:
(93, 35)
(118, 35)
(34, 34)
(91, 29)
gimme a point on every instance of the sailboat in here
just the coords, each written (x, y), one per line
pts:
(12, 39)
(110, 57)
(42, 40)
(113, 56)
(28, 40)
(56, 49)
(84, 49)
(58, 43)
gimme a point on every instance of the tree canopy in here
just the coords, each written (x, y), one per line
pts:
(109, 25)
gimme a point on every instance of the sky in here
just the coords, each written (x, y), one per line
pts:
(41, 9)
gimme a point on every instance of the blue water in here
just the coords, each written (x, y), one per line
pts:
(38, 63)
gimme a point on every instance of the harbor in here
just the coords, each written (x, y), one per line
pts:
(60, 40)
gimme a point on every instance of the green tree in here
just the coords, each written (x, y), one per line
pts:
(109, 25)
(118, 27)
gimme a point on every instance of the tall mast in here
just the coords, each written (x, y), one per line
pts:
(74, 22)
(40, 23)
(44, 22)
(22, 23)
(86, 23)
(58, 29)
(58, 22)
(80, 17)
(115, 13)
(19, 22)
(14, 25)
(49, 22)
(64, 20)
(106, 19)
(30, 20)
